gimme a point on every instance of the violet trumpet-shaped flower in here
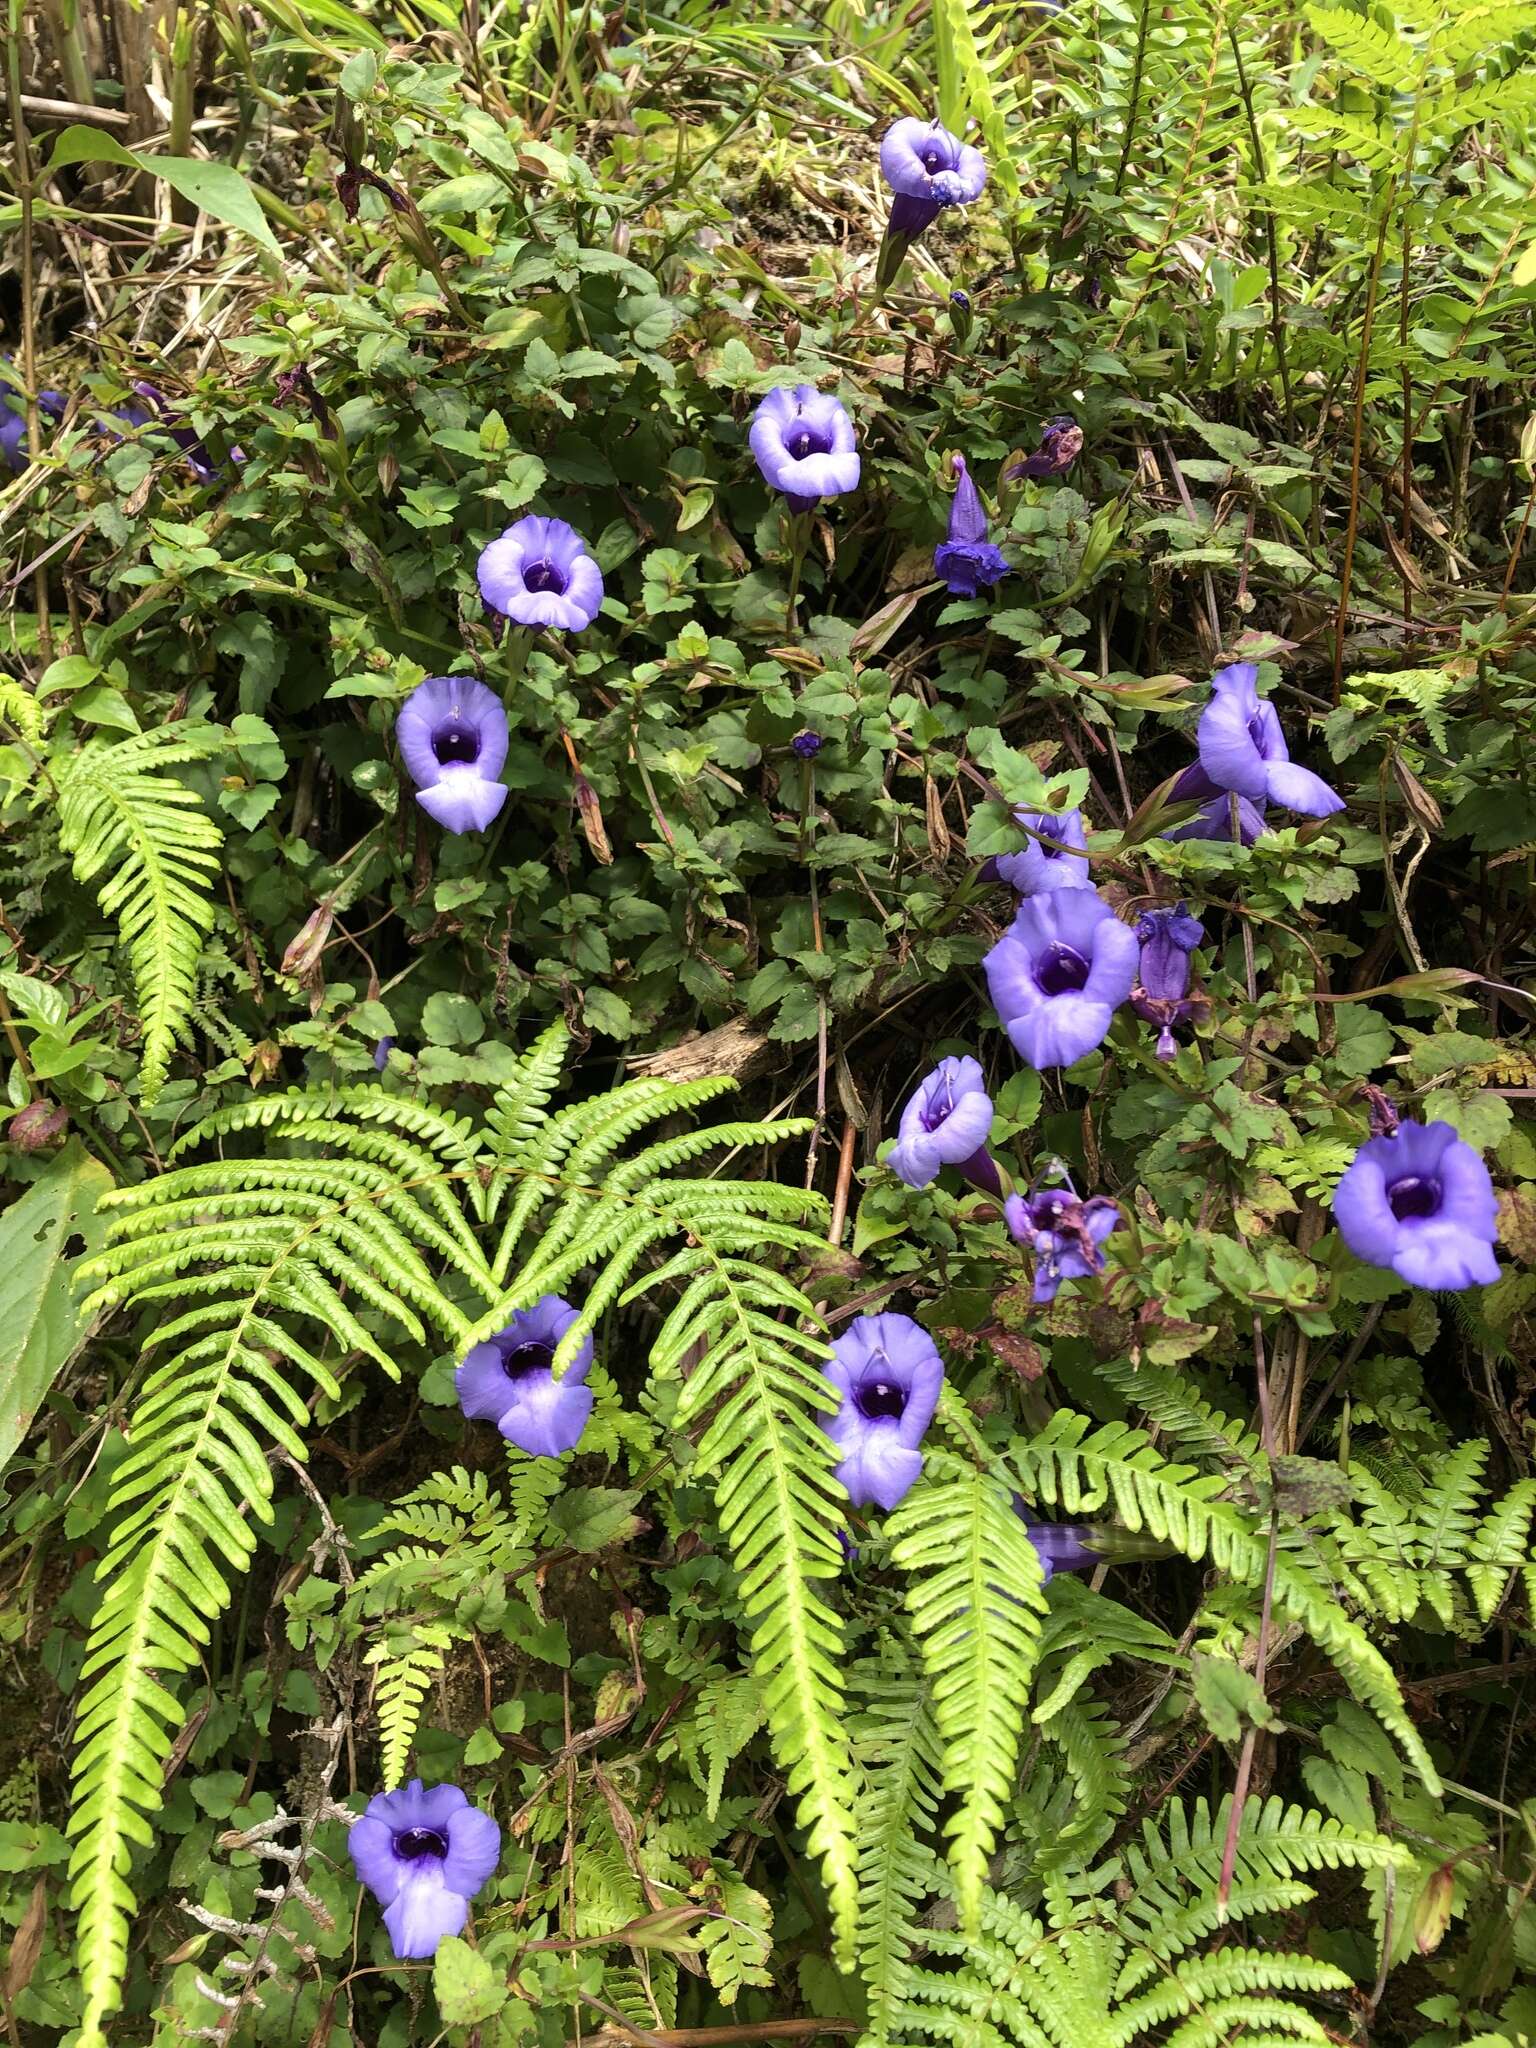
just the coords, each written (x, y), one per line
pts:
(1420, 1202)
(1242, 748)
(803, 441)
(889, 1374)
(967, 560)
(927, 169)
(507, 1380)
(1061, 1547)
(1161, 995)
(1061, 442)
(1039, 868)
(538, 573)
(1064, 1232)
(14, 453)
(423, 1854)
(945, 1124)
(1213, 820)
(157, 411)
(1059, 973)
(452, 733)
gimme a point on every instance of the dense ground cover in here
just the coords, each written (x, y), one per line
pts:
(312, 1092)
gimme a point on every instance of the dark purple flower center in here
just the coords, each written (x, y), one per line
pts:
(455, 740)
(1413, 1196)
(803, 439)
(526, 1359)
(545, 575)
(940, 1106)
(411, 1844)
(934, 159)
(1061, 970)
(880, 1400)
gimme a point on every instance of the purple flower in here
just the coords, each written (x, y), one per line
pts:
(1167, 938)
(297, 386)
(927, 169)
(1064, 1233)
(967, 559)
(1060, 1547)
(381, 1053)
(538, 573)
(1039, 868)
(1213, 820)
(1420, 1202)
(806, 744)
(1057, 976)
(1061, 442)
(452, 733)
(157, 411)
(1242, 748)
(423, 1854)
(13, 419)
(889, 1375)
(508, 1381)
(945, 1122)
(803, 441)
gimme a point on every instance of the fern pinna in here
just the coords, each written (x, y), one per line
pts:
(124, 817)
(1126, 1951)
(330, 1228)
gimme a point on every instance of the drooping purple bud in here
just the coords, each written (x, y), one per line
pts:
(967, 560)
(298, 385)
(381, 1053)
(1167, 938)
(1061, 442)
(37, 1126)
(806, 744)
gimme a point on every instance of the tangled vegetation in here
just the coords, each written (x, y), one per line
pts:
(767, 949)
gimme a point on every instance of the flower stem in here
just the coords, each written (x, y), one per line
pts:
(799, 541)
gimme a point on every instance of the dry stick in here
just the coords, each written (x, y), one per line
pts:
(25, 193)
(1362, 375)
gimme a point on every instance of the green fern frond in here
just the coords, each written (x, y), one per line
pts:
(122, 814)
(1083, 1470)
(968, 84)
(973, 1592)
(1500, 1545)
(901, 1765)
(407, 1662)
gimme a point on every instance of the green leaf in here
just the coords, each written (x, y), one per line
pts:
(216, 188)
(467, 1988)
(41, 1324)
(1230, 1698)
(593, 1517)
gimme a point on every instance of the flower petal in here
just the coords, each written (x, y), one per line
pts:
(879, 1469)
(474, 1848)
(463, 801)
(1227, 750)
(424, 1913)
(1298, 789)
